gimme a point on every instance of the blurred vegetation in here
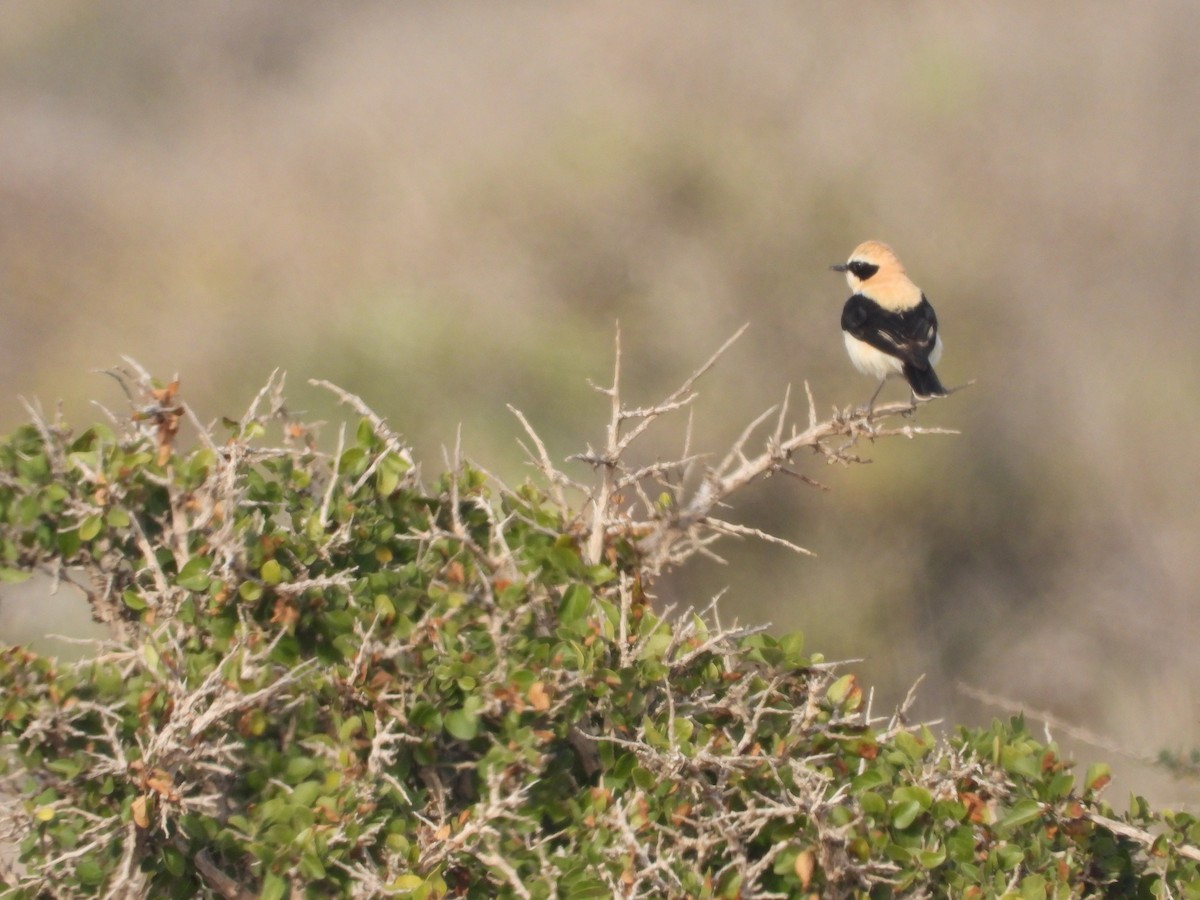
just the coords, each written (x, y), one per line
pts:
(445, 209)
(324, 678)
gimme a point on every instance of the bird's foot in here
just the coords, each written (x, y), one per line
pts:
(913, 402)
(867, 415)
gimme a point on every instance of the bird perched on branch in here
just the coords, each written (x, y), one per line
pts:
(889, 326)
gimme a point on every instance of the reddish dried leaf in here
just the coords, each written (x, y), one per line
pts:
(138, 808)
(284, 613)
(806, 862)
(539, 699)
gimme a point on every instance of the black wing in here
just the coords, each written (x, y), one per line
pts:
(909, 335)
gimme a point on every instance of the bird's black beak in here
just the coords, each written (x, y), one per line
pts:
(840, 267)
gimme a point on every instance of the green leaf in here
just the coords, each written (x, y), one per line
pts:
(90, 527)
(792, 645)
(905, 813)
(461, 724)
(654, 736)
(1060, 785)
(931, 859)
(961, 844)
(174, 861)
(271, 572)
(600, 574)
(306, 793)
(133, 600)
(194, 574)
(1033, 887)
(873, 804)
(88, 871)
(365, 434)
(656, 645)
(385, 607)
(425, 716)
(69, 543)
(353, 462)
(387, 476)
(585, 886)
(684, 728)
(914, 793)
(575, 604)
(871, 778)
(299, 768)
(1021, 761)
(311, 866)
(839, 689)
(1022, 813)
(273, 887)
(350, 728)
(564, 558)
(67, 767)
(644, 778)
(912, 746)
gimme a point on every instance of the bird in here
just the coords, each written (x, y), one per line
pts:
(889, 326)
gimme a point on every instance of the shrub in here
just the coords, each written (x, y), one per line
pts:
(327, 678)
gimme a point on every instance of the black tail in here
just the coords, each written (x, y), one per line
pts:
(924, 382)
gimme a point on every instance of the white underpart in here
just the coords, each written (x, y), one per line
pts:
(878, 364)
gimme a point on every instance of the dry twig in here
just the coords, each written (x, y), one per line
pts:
(668, 533)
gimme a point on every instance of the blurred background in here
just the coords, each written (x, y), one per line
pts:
(445, 207)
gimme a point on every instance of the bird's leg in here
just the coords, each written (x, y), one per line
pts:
(874, 397)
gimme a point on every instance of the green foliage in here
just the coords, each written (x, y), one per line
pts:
(326, 678)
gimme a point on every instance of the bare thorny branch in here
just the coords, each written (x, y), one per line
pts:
(667, 533)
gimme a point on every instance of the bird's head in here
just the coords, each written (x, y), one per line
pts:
(870, 260)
